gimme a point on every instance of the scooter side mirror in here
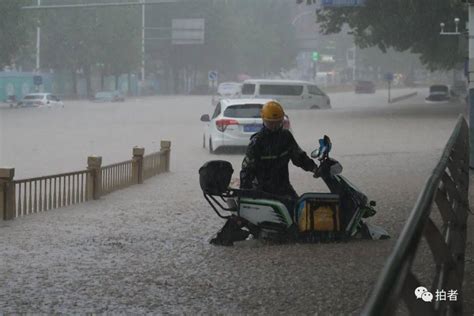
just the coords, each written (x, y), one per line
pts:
(315, 153)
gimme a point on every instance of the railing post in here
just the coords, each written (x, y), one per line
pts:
(166, 147)
(137, 164)
(7, 194)
(94, 178)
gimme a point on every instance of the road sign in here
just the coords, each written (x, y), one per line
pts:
(327, 59)
(388, 76)
(212, 75)
(37, 80)
(187, 31)
(315, 56)
(342, 3)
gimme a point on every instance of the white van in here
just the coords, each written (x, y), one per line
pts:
(293, 94)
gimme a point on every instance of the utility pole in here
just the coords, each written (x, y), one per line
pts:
(355, 61)
(470, 30)
(38, 41)
(471, 84)
(96, 5)
(143, 41)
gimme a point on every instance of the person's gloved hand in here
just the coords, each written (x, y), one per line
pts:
(316, 173)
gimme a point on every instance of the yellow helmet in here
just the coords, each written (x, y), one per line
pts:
(272, 111)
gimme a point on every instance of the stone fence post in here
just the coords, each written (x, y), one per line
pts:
(7, 194)
(94, 178)
(166, 147)
(137, 164)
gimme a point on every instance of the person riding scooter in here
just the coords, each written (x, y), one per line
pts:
(265, 165)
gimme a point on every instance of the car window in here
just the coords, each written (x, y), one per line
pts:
(102, 95)
(277, 89)
(248, 88)
(243, 110)
(49, 97)
(443, 89)
(217, 111)
(315, 90)
(33, 97)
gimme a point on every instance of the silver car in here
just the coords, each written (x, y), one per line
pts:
(40, 100)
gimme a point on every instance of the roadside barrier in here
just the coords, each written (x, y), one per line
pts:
(447, 189)
(33, 195)
(403, 97)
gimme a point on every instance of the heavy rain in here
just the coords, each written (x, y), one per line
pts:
(98, 78)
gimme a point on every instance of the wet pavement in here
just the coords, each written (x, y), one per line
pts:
(145, 249)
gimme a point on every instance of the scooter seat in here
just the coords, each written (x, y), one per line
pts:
(256, 194)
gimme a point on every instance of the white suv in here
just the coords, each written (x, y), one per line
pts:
(40, 99)
(233, 122)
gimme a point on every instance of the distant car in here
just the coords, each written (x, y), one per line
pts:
(40, 100)
(109, 96)
(292, 94)
(233, 122)
(364, 86)
(227, 90)
(438, 93)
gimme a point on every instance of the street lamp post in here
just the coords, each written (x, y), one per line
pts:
(355, 62)
(143, 41)
(38, 42)
(470, 75)
(456, 32)
(471, 86)
(299, 16)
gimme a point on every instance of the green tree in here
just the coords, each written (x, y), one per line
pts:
(402, 25)
(14, 30)
(118, 40)
(84, 38)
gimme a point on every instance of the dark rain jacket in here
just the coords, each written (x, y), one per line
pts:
(265, 165)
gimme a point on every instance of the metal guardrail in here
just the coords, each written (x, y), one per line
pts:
(447, 187)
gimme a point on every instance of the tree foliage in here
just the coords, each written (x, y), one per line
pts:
(14, 27)
(88, 38)
(402, 25)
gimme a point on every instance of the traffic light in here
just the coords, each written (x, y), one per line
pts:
(315, 56)
(309, 2)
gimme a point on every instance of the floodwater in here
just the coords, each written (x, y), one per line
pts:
(145, 249)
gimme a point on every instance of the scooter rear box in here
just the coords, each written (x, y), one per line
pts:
(318, 216)
(215, 176)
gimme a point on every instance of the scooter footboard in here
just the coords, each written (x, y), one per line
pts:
(259, 211)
